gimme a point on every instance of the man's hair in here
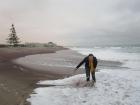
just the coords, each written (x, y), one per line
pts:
(90, 55)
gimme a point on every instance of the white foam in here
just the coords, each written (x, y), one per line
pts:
(129, 56)
(112, 88)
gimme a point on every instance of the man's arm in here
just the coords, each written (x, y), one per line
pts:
(81, 63)
(95, 62)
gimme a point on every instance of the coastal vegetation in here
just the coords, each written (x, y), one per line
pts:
(13, 40)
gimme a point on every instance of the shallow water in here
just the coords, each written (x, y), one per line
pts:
(129, 56)
(113, 87)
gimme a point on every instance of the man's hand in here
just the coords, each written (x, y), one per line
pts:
(74, 70)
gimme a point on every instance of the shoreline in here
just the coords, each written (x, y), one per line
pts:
(55, 59)
(22, 80)
(15, 84)
(61, 62)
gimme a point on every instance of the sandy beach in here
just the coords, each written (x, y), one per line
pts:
(45, 48)
(114, 85)
(15, 84)
(18, 78)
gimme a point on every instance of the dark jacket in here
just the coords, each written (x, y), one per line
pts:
(86, 61)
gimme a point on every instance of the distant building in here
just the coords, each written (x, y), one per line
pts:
(51, 44)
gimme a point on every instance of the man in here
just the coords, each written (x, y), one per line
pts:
(90, 66)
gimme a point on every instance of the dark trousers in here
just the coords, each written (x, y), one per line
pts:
(88, 75)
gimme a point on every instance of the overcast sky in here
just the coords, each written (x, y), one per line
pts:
(72, 22)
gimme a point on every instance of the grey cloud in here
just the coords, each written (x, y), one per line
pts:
(67, 20)
(129, 5)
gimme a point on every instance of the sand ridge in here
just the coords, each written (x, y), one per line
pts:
(16, 85)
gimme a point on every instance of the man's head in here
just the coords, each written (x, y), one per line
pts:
(90, 56)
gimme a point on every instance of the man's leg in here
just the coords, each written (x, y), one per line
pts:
(88, 74)
(93, 76)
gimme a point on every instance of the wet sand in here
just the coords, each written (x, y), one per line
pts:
(61, 63)
(17, 80)
(15, 84)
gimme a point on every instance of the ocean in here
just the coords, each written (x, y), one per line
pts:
(129, 56)
(114, 86)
